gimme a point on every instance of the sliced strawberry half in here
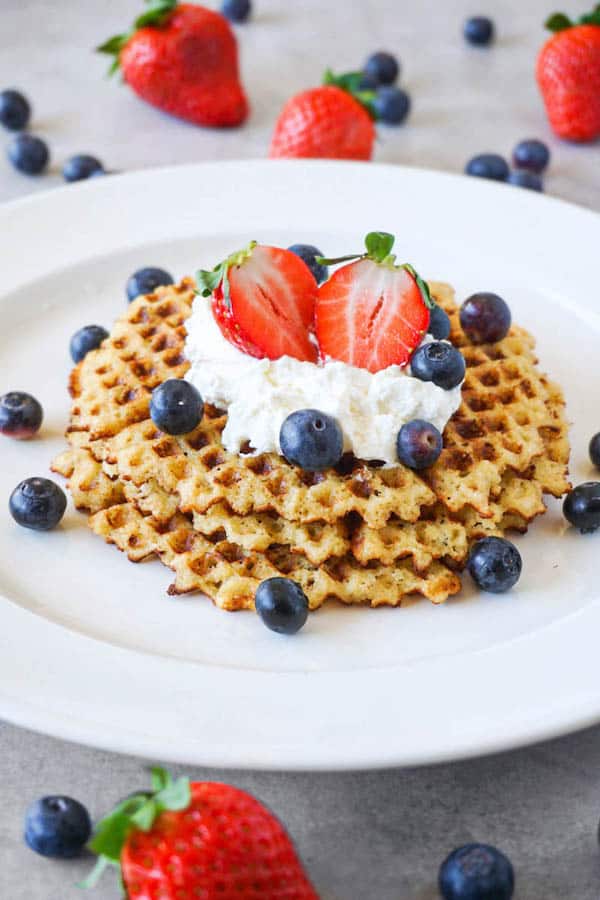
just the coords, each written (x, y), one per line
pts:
(372, 313)
(263, 300)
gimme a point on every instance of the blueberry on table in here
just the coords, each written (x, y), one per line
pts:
(37, 503)
(476, 872)
(281, 604)
(488, 165)
(176, 406)
(439, 323)
(236, 10)
(367, 82)
(418, 444)
(440, 363)
(479, 30)
(391, 105)
(146, 280)
(485, 318)
(523, 178)
(594, 450)
(58, 827)
(20, 415)
(28, 154)
(15, 110)
(382, 67)
(582, 506)
(308, 253)
(77, 168)
(495, 564)
(87, 338)
(311, 440)
(531, 154)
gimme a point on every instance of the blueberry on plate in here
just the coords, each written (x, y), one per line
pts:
(87, 338)
(37, 503)
(582, 506)
(367, 82)
(488, 165)
(382, 67)
(391, 105)
(20, 415)
(439, 362)
(77, 168)
(418, 444)
(58, 827)
(439, 323)
(531, 154)
(523, 178)
(495, 564)
(479, 30)
(15, 110)
(485, 318)
(594, 450)
(311, 439)
(281, 604)
(476, 872)
(176, 406)
(309, 253)
(236, 10)
(146, 280)
(28, 154)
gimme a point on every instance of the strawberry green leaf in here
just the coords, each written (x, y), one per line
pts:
(592, 18)
(558, 22)
(350, 82)
(422, 285)
(102, 863)
(145, 816)
(157, 14)
(160, 778)
(207, 282)
(175, 796)
(379, 245)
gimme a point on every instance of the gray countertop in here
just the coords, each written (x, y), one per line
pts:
(379, 835)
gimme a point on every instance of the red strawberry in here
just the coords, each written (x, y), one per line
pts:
(183, 59)
(568, 74)
(200, 840)
(372, 313)
(263, 300)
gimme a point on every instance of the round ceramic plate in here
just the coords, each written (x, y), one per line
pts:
(91, 647)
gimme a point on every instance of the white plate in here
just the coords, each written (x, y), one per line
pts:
(92, 649)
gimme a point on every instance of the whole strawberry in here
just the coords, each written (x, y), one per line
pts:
(200, 840)
(568, 74)
(183, 59)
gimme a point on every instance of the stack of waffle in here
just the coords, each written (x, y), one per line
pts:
(360, 533)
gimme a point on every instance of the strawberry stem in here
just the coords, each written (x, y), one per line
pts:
(157, 14)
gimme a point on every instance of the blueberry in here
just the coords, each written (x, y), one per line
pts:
(485, 318)
(582, 506)
(391, 105)
(15, 110)
(495, 564)
(418, 444)
(58, 827)
(37, 503)
(87, 338)
(383, 67)
(79, 167)
(488, 165)
(367, 82)
(236, 10)
(524, 179)
(439, 323)
(594, 450)
(438, 362)
(476, 872)
(145, 281)
(311, 439)
(28, 154)
(479, 30)
(20, 415)
(282, 605)
(531, 154)
(308, 253)
(176, 406)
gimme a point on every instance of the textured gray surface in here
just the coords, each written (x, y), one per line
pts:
(376, 835)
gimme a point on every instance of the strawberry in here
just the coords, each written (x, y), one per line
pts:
(568, 75)
(263, 299)
(200, 840)
(183, 59)
(372, 313)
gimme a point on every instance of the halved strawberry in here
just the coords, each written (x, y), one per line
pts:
(263, 299)
(372, 313)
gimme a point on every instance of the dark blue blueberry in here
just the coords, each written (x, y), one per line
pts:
(282, 605)
(476, 872)
(531, 154)
(582, 506)
(523, 178)
(15, 110)
(439, 323)
(418, 444)
(367, 82)
(311, 439)
(495, 564)
(28, 154)
(488, 165)
(145, 281)
(176, 406)
(79, 167)
(438, 362)
(595, 450)
(37, 503)
(479, 30)
(20, 415)
(58, 827)
(383, 67)
(87, 338)
(485, 318)
(391, 105)
(236, 10)
(309, 253)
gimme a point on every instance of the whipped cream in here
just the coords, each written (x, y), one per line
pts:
(259, 394)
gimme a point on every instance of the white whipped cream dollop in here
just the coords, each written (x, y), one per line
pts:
(259, 394)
